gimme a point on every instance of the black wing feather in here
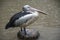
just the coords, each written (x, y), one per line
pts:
(14, 18)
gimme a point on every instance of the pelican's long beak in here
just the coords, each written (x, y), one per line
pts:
(38, 11)
(41, 12)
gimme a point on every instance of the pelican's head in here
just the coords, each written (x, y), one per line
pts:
(29, 8)
(26, 8)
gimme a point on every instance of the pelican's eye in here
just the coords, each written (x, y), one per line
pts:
(28, 7)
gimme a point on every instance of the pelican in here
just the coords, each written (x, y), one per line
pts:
(24, 18)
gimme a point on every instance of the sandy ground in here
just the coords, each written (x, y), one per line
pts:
(48, 26)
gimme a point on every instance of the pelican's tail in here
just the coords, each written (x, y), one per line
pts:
(8, 25)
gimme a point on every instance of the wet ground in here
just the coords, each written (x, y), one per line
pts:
(47, 25)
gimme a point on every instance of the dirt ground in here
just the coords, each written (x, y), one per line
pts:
(47, 25)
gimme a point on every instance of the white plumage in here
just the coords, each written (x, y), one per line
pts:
(27, 17)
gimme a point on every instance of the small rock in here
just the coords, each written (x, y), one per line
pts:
(31, 34)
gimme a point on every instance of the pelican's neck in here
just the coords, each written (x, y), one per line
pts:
(35, 13)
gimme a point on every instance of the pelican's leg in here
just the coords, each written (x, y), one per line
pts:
(25, 30)
(21, 28)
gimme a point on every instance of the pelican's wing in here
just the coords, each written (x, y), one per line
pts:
(23, 19)
(14, 18)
